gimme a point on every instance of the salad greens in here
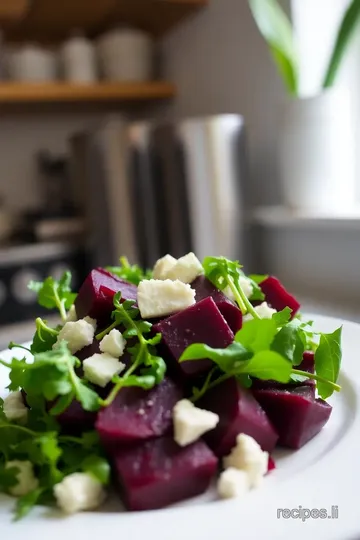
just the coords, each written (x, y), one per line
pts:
(54, 293)
(132, 273)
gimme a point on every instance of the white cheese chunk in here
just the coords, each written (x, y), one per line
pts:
(246, 286)
(163, 266)
(248, 456)
(190, 422)
(233, 483)
(78, 492)
(186, 269)
(158, 298)
(26, 480)
(91, 321)
(101, 368)
(263, 310)
(14, 408)
(72, 315)
(77, 334)
(113, 343)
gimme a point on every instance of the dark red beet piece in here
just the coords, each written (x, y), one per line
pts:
(74, 419)
(201, 323)
(158, 472)
(88, 351)
(138, 414)
(239, 412)
(296, 415)
(277, 296)
(271, 464)
(231, 313)
(96, 294)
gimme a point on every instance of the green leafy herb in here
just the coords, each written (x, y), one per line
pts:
(257, 294)
(26, 503)
(225, 273)
(327, 361)
(151, 367)
(54, 294)
(44, 337)
(290, 342)
(257, 334)
(98, 467)
(131, 273)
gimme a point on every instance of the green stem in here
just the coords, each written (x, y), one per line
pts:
(315, 377)
(106, 331)
(13, 345)
(40, 323)
(241, 298)
(20, 428)
(211, 385)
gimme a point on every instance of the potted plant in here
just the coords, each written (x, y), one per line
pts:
(317, 162)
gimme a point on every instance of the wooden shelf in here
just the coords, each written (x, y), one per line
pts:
(52, 20)
(17, 93)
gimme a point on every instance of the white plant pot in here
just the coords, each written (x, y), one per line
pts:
(317, 153)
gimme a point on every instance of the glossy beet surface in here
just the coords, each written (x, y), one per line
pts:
(239, 412)
(138, 414)
(231, 313)
(96, 294)
(296, 415)
(159, 472)
(277, 296)
(201, 323)
(75, 420)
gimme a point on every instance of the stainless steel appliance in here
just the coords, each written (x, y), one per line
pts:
(153, 188)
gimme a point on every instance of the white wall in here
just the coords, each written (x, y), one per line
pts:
(220, 64)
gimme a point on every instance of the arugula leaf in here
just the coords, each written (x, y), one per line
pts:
(131, 273)
(143, 353)
(268, 365)
(98, 467)
(257, 334)
(257, 294)
(290, 342)
(227, 359)
(282, 317)
(54, 293)
(327, 361)
(26, 503)
(44, 337)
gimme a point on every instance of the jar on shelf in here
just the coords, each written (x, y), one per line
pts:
(78, 59)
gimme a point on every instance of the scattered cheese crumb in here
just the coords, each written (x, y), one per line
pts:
(77, 492)
(163, 266)
(14, 408)
(91, 321)
(101, 368)
(72, 315)
(113, 343)
(190, 422)
(248, 456)
(233, 483)
(186, 269)
(77, 334)
(263, 310)
(26, 479)
(158, 298)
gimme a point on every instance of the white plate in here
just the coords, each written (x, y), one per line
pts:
(325, 473)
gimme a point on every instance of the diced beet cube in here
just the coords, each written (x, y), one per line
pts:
(96, 294)
(271, 464)
(231, 313)
(158, 472)
(239, 412)
(296, 415)
(138, 414)
(201, 323)
(277, 296)
(308, 362)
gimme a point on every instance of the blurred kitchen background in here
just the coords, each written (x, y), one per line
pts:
(142, 127)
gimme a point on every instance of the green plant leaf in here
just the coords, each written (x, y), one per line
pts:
(26, 503)
(257, 334)
(268, 365)
(277, 31)
(98, 467)
(54, 293)
(131, 273)
(328, 361)
(345, 34)
(290, 342)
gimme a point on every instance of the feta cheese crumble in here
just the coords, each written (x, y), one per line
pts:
(26, 480)
(157, 298)
(248, 456)
(263, 310)
(101, 368)
(233, 483)
(72, 315)
(190, 422)
(77, 492)
(163, 266)
(91, 321)
(113, 343)
(14, 408)
(77, 334)
(186, 269)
